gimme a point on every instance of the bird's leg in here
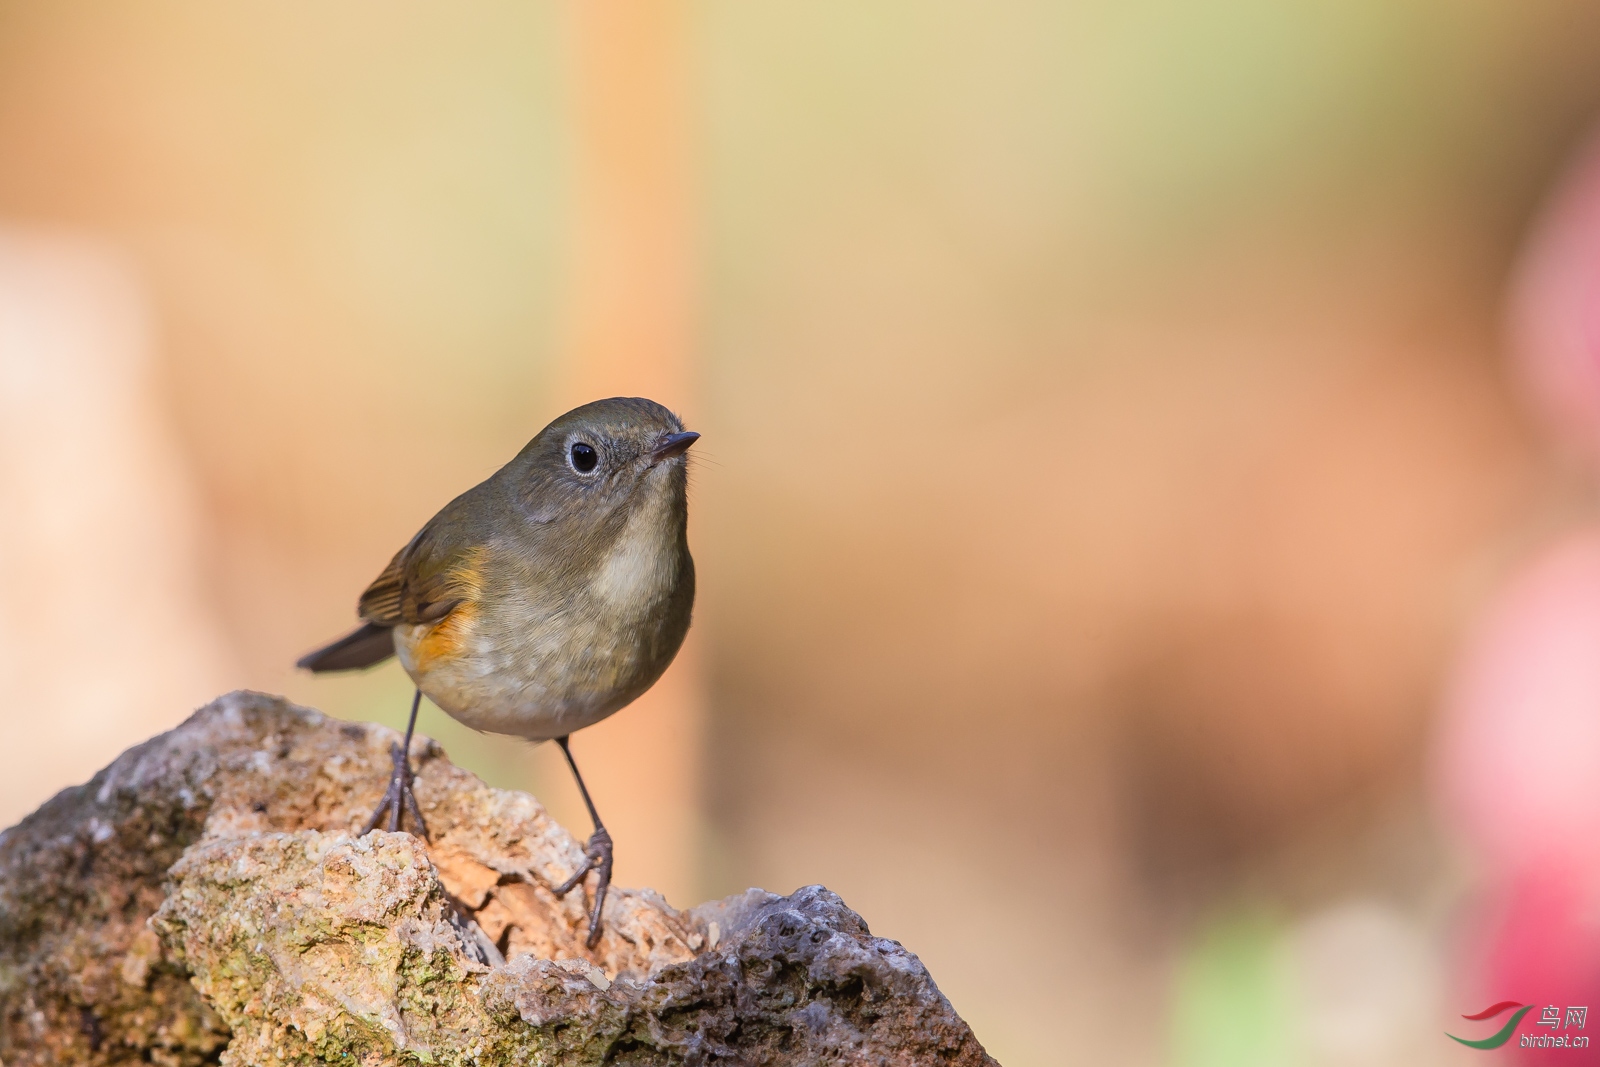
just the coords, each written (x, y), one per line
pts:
(400, 797)
(596, 854)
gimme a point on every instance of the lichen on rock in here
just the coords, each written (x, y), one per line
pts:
(207, 899)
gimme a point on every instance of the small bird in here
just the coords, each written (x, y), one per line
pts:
(543, 599)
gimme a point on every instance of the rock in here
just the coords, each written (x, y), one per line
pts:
(206, 899)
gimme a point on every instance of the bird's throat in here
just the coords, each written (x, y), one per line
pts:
(641, 567)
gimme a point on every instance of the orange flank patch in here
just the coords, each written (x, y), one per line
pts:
(442, 644)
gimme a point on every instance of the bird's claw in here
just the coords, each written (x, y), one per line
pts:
(596, 857)
(399, 797)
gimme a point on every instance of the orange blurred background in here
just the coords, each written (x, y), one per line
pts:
(1108, 438)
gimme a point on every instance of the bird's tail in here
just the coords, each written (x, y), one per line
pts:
(364, 647)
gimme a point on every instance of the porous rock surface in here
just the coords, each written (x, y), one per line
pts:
(205, 899)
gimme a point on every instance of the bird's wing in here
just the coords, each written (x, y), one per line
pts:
(424, 582)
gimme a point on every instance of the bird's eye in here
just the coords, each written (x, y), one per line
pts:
(584, 458)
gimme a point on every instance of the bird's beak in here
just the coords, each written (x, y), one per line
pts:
(673, 444)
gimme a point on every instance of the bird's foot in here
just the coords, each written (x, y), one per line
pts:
(596, 857)
(399, 797)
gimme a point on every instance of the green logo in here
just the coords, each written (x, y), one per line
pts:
(1500, 1036)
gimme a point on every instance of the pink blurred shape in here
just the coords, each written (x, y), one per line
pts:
(1520, 752)
(1555, 306)
(1519, 771)
(1544, 945)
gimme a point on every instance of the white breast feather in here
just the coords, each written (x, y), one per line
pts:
(640, 566)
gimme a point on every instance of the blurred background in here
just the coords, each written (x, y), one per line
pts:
(1146, 517)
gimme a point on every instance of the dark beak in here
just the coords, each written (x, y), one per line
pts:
(673, 444)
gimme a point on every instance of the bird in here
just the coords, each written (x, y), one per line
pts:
(542, 600)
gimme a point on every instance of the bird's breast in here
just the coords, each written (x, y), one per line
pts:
(542, 658)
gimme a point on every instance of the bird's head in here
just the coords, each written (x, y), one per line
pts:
(599, 463)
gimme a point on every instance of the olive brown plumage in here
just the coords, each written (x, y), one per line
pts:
(543, 599)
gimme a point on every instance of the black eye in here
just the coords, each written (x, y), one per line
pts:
(584, 458)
